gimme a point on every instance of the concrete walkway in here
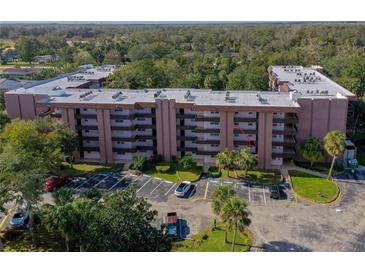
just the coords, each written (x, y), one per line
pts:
(292, 166)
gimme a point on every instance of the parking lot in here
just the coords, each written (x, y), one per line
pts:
(158, 190)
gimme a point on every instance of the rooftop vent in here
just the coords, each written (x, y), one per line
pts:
(157, 93)
(85, 94)
(117, 95)
(187, 94)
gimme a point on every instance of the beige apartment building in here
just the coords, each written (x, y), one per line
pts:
(116, 125)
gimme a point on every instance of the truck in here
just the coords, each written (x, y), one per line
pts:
(172, 224)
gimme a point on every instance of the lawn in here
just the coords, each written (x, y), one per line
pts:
(47, 241)
(88, 169)
(315, 189)
(254, 176)
(213, 241)
(177, 175)
(320, 167)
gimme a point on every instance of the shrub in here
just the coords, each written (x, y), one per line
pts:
(139, 163)
(155, 159)
(187, 162)
(214, 172)
(163, 167)
(205, 237)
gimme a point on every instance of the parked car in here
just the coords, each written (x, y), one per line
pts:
(56, 182)
(183, 188)
(172, 224)
(274, 192)
(20, 218)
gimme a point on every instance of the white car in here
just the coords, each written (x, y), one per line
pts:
(183, 188)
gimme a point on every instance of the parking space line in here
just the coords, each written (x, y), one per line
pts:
(156, 187)
(167, 192)
(263, 191)
(83, 183)
(206, 190)
(10, 211)
(117, 183)
(249, 193)
(101, 181)
(144, 184)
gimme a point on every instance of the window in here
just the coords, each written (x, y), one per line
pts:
(275, 113)
(236, 135)
(141, 140)
(236, 124)
(275, 125)
(274, 136)
(250, 112)
(250, 124)
(214, 134)
(214, 145)
(120, 142)
(118, 110)
(141, 119)
(214, 112)
(236, 112)
(85, 109)
(86, 120)
(119, 121)
(214, 123)
(87, 130)
(88, 141)
(141, 129)
(249, 135)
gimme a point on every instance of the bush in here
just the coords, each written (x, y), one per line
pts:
(214, 172)
(187, 162)
(139, 163)
(163, 167)
(205, 237)
(155, 159)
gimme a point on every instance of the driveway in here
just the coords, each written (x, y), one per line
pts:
(278, 225)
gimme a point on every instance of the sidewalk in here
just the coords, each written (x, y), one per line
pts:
(285, 168)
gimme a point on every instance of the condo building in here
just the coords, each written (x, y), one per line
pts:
(116, 125)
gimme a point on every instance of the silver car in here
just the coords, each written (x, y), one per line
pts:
(183, 188)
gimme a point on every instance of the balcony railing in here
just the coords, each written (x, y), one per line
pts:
(290, 118)
(244, 119)
(287, 153)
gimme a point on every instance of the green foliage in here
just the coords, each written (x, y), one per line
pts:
(123, 223)
(162, 167)
(3, 119)
(214, 172)
(139, 163)
(334, 143)
(220, 195)
(313, 150)
(187, 162)
(27, 48)
(63, 196)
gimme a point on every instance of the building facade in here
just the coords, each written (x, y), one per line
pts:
(117, 125)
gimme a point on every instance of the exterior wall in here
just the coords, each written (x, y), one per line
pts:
(166, 128)
(320, 115)
(12, 105)
(264, 144)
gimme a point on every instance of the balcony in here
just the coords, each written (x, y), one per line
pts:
(287, 142)
(85, 116)
(89, 138)
(290, 118)
(207, 153)
(244, 119)
(209, 142)
(201, 118)
(186, 116)
(80, 127)
(287, 153)
(84, 148)
(122, 116)
(207, 130)
(186, 138)
(288, 130)
(247, 131)
(179, 127)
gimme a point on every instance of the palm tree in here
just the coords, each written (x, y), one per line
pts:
(226, 159)
(220, 195)
(334, 144)
(245, 160)
(235, 213)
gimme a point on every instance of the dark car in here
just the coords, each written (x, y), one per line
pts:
(55, 182)
(274, 192)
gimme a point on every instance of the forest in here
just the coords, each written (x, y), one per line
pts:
(210, 56)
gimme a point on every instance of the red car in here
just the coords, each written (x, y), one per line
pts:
(56, 182)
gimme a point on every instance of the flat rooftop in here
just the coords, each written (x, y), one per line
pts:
(76, 79)
(199, 97)
(308, 81)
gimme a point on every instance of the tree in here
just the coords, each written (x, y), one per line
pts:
(27, 48)
(334, 144)
(122, 222)
(226, 159)
(187, 162)
(22, 177)
(313, 150)
(235, 213)
(139, 163)
(69, 142)
(3, 120)
(245, 160)
(220, 196)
